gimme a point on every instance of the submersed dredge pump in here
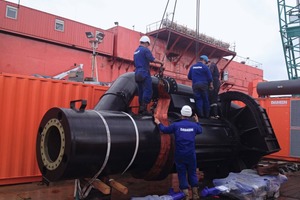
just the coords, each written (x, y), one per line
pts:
(75, 143)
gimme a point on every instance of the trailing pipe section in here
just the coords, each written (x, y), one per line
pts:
(76, 143)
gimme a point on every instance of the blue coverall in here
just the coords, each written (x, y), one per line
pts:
(142, 59)
(201, 78)
(185, 155)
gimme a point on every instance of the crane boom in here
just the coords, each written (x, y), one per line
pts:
(289, 22)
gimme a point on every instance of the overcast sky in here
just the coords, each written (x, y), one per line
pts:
(252, 25)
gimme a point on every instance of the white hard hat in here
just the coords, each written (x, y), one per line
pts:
(186, 111)
(145, 39)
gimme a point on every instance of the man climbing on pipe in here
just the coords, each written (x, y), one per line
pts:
(201, 80)
(142, 58)
(185, 155)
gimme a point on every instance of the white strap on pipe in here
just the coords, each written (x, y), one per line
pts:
(136, 142)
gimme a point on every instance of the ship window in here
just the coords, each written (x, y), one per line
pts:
(11, 12)
(59, 25)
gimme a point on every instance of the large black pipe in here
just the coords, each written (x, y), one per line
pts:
(122, 91)
(119, 95)
(74, 144)
(108, 140)
(284, 87)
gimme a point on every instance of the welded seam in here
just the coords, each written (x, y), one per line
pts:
(136, 141)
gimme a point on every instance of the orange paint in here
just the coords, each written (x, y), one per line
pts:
(24, 100)
(279, 112)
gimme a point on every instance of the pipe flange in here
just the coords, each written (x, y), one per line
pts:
(53, 128)
(172, 85)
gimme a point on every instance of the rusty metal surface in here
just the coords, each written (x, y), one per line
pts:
(290, 190)
(64, 190)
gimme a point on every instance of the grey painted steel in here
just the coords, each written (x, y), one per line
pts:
(295, 129)
(295, 143)
(284, 87)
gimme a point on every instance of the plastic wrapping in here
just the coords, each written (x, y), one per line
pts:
(214, 191)
(170, 196)
(210, 192)
(248, 185)
(153, 197)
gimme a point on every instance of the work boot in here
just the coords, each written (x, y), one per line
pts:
(195, 193)
(187, 195)
(143, 109)
(214, 111)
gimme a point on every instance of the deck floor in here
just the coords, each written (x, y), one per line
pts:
(64, 190)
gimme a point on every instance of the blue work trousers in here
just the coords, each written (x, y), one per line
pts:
(186, 170)
(202, 102)
(144, 87)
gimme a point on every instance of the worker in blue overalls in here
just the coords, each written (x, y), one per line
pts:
(201, 81)
(142, 59)
(185, 155)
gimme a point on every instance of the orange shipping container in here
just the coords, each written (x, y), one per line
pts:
(284, 116)
(23, 102)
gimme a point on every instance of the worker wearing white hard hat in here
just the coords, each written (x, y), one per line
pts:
(142, 58)
(185, 132)
(201, 78)
(145, 39)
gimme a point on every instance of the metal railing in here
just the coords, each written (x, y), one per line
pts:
(247, 61)
(166, 23)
